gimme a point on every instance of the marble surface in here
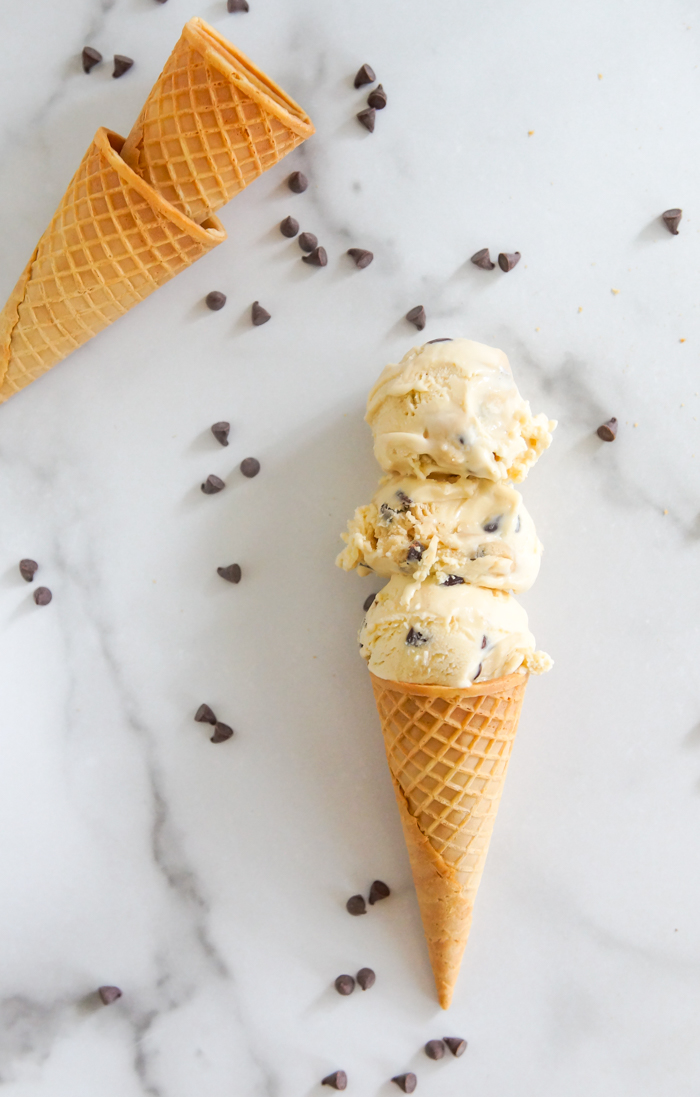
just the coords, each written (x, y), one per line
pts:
(209, 881)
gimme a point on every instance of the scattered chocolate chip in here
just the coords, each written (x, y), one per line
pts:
(483, 643)
(28, 569)
(406, 501)
(337, 1080)
(250, 466)
(444, 340)
(417, 316)
(508, 260)
(109, 994)
(517, 525)
(232, 573)
(237, 5)
(435, 1049)
(356, 905)
(212, 485)
(365, 605)
(456, 1045)
(307, 241)
(215, 300)
(222, 732)
(367, 118)
(289, 227)
(366, 978)
(91, 58)
(482, 259)
(318, 258)
(492, 526)
(452, 581)
(364, 75)
(406, 1082)
(478, 672)
(345, 984)
(672, 219)
(415, 552)
(361, 257)
(379, 890)
(297, 182)
(258, 314)
(122, 64)
(42, 596)
(204, 715)
(377, 98)
(608, 431)
(416, 638)
(221, 432)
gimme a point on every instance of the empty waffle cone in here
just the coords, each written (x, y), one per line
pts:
(212, 123)
(112, 241)
(448, 752)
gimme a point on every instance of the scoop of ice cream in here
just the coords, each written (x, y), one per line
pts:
(447, 635)
(469, 530)
(453, 407)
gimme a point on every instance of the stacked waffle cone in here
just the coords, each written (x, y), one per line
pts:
(137, 212)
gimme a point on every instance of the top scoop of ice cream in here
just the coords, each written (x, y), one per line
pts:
(453, 408)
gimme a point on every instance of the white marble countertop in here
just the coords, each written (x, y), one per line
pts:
(209, 882)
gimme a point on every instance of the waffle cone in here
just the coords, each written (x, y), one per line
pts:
(112, 241)
(448, 751)
(212, 123)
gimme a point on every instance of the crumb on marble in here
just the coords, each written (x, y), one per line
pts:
(614, 291)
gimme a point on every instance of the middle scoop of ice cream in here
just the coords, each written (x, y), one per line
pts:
(469, 530)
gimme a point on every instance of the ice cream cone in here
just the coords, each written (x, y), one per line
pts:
(212, 123)
(448, 750)
(112, 241)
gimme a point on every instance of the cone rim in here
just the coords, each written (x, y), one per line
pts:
(485, 689)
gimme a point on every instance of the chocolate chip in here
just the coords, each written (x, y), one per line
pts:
(377, 98)
(508, 260)
(212, 485)
(42, 596)
(237, 5)
(204, 715)
(356, 905)
(452, 581)
(297, 182)
(362, 257)
(379, 890)
(478, 672)
(367, 118)
(318, 258)
(250, 466)
(435, 1049)
(337, 1080)
(417, 316)
(232, 573)
(122, 64)
(415, 552)
(483, 643)
(482, 259)
(221, 432)
(91, 58)
(364, 75)
(406, 501)
(366, 978)
(258, 314)
(368, 601)
(445, 340)
(492, 526)
(416, 638)
(345, 984)
(289, 227)
(109, 994)
(222, 732)
(517, 525)
(215, 300)
(456, 1045)
(406, 1082)
(307, 241)
(672, 219)
(28, 569)
(608, 431)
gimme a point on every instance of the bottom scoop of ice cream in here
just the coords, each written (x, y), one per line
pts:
(435, 634)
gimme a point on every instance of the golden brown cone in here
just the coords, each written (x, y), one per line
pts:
(112, 241)
(212, 123)
(448, 751)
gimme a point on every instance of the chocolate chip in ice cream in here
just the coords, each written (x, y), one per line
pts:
(367, 118)
(289, 227)
(318, 258)
(478, 672)
(608, 431)
(356, 905)
(415, 552)
(42, 596)
(345, 984)
(492, 525)
(366, 978)
(232, 573)
(483, 643)
(122, 64)
(222, 732)
(250, 466)
(416, 638)
(672, 219)
(364, 75)
(337, 1080)
(237, 5)
(28, 569)
(90, 58)
(215, 300)
(482, 259)
(307, 241)
(417, 316)
(204, 715)
(452, 581)
(109, 994)
(221, 432)
(258, 314)
(517, 525)
(456, 1044)
(212, 485)
(508, 260)
(367, 603)
(379, 890)
(377, 98)
(406, 1082)
(297, 182)
(361, 257)
(435, 1049)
